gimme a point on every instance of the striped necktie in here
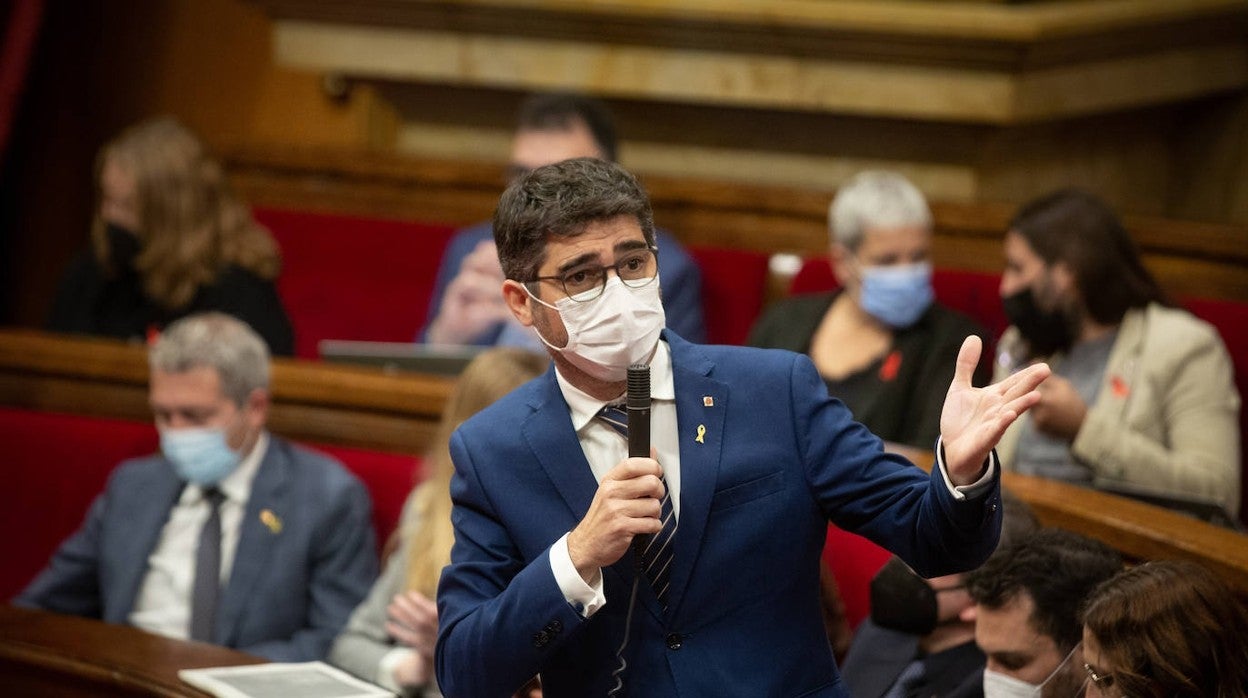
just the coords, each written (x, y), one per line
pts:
(655, 551)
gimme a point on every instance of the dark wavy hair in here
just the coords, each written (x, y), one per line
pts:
(1077, 228)
(1057, 569)
(558, 201)
(1171, 628)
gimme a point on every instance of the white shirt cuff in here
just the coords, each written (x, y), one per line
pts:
(585, 598)
(385, 668)
(975, 489)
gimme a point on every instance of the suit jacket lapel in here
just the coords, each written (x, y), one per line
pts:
(256, 541)
(699, 460)
(146, 512)
(548, 431)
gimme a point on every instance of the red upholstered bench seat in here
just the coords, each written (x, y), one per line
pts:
(346, 277)
(56, 464)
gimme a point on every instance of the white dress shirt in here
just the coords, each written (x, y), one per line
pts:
(163, 604)
(604, 449)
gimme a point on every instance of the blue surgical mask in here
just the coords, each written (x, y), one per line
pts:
(897, 295)
(200, 456)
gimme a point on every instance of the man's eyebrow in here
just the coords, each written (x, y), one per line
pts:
(577, 261)
(630, 245)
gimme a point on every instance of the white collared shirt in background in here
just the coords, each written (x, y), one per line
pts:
(163, 604)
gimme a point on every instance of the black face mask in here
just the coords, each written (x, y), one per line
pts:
(1045, 331)
(902, 600)
(123, 246)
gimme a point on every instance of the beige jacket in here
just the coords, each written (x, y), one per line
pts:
(1166, 420)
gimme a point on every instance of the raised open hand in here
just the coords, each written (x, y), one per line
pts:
(974, 419)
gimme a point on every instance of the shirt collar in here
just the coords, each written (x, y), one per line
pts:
(584, 407)
(236, 485)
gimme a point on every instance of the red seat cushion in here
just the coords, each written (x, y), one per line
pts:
(734, 286)
(346, 277)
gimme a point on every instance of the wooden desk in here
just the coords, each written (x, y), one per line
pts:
(47, 654)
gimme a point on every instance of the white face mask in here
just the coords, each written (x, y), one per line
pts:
(997, 685)
(606, 335)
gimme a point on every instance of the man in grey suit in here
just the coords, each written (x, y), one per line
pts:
(230, 535)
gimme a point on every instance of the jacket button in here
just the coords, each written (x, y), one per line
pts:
(555, 627)
(541, 638)
(673, 641)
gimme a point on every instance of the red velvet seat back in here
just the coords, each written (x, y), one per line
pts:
(54, 466)
(734, 286)
(1231, 319)
(347, 277)
(854, 560)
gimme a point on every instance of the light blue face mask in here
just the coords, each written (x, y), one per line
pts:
(897, 295)
(199, 455)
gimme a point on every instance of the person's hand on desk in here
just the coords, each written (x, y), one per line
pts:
(473, 302)
(412, 620)
(974, 419)
(626, 505)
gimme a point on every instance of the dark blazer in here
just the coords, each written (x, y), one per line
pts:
(778, 460)
(900, 395)
(289, 592)
(878, 656)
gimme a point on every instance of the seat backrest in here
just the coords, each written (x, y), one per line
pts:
(734, 287)
(1231, 320)
(54, 466)
(346, 277)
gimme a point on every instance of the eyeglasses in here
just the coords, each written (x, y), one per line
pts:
(1101, 681)
(637, 268)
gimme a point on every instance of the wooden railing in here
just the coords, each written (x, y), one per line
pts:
(1189, 259)
(316, 402)
(370, 408)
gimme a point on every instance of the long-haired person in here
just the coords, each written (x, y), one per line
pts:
(1167, 628)
(389, 639)
(168, 239)
(1142, 398)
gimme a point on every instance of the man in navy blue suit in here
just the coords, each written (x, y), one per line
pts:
(466, 308)
(695, 571)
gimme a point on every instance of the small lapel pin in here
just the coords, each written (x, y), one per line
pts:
(708, 401)
(701, 432)
(269, 519)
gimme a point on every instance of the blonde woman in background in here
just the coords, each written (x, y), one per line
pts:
(168, 239)
(389, 639)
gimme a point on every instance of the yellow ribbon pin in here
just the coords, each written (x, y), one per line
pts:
(701, 433)
(268, 518)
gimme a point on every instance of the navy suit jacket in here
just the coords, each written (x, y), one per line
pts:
(879, 655)
(778, 460)
(679, 274)
(289, 592)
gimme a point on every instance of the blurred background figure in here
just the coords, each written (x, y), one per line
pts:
(1142, 399)
(169, 239)
(882, 343)
(920, 638)
(390, 636)
(1028, 600)
(467, 303)
(1165, 628)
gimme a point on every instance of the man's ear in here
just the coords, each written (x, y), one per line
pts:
(969, 614)
(517, 300)
(257, 408)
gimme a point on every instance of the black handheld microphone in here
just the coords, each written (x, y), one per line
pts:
(638, 407)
